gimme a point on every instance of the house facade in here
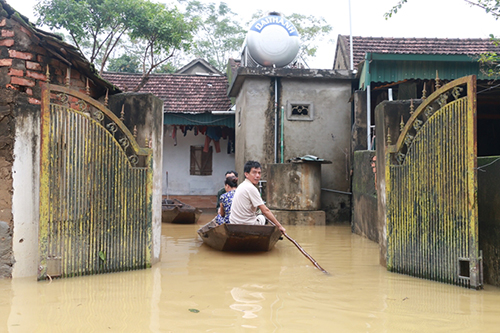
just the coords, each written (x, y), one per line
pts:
(284, 113)
(198, 125)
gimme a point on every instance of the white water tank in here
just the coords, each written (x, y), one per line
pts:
(273, 40)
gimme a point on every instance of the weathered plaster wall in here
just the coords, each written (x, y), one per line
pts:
(25, 199)
(488, 199)
(364, 196)
(255, 123)
(294, 186)
(145, 113)
(176, 163)
(326, 136)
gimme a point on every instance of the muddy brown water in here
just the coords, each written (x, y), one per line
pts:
(197, 289)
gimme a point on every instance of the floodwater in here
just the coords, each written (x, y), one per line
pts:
(197, 289)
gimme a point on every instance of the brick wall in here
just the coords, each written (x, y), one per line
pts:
(23, 66)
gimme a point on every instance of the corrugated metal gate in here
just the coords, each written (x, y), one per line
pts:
(95, 189)
(431, 187)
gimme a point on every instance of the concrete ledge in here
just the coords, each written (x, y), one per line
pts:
(300, 217)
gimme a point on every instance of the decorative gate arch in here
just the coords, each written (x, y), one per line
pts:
(95, 189)
(431, 187)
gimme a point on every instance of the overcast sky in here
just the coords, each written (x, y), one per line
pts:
(417, 18)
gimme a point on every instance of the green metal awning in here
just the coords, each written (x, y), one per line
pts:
(201, 119)
(379, 67)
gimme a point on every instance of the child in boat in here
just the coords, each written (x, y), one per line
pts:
(226, 200)
(229, 173)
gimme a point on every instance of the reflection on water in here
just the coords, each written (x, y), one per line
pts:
(197, 289)
(247, 301)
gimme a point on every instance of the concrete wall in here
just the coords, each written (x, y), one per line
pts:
(326, 135)
(25, 198)
(145, 112)
(364, 196)
(176, 161)
(488, 198)
(255, 123)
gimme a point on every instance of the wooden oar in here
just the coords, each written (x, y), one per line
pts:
(305, 253)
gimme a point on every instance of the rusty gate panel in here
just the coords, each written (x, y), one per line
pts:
(95, 189)
(431, 187)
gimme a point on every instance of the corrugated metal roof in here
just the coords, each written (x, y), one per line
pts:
(206, 119)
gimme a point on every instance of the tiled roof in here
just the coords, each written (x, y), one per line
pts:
(198, 62)
(180, 93)
(391, 45)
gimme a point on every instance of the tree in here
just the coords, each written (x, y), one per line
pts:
(311, 30)
(94, 26)
(124, 64)
(395, 9)
(490, 6)
(218, 35)
(160, 32)
(97, 27)
(167, 68)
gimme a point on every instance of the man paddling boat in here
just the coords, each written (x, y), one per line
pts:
(247, 199)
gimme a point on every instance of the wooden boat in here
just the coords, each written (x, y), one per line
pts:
(239, 237)
(175, 211)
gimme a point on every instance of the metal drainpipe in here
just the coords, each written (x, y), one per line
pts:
(282, 133)
(368, 118)
(275, 120)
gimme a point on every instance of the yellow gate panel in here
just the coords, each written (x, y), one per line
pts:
(431, 184)
(95, 191)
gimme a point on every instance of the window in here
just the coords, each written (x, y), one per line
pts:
(300, 111)
(200, 161)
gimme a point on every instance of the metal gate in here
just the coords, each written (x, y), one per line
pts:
(95, 189)
(431, 187)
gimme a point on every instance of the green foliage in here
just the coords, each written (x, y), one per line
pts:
(490, 61)
(167, 68)
(395, 9)
(95, 26)
(311, 30)
(124, 64)
(490, 6)
(159, 32)
(218, 35)
(98, 27)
